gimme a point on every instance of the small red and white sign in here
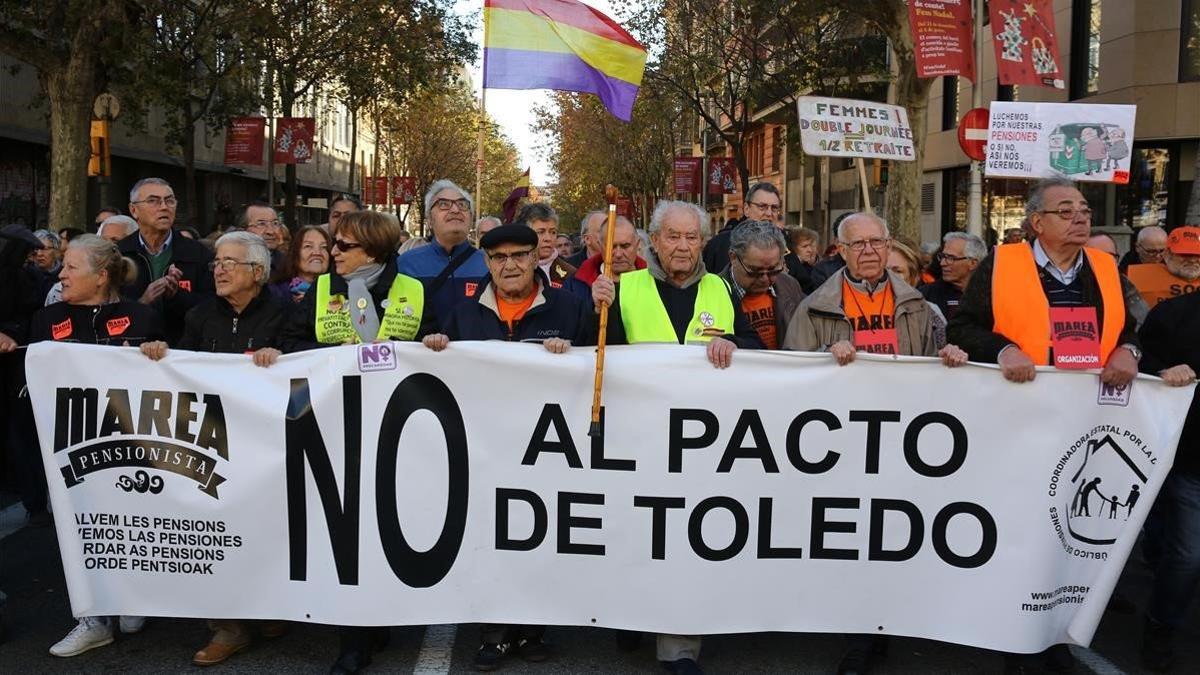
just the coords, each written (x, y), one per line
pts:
(973, 133)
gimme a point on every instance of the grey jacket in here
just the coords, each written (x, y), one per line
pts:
(820, 321)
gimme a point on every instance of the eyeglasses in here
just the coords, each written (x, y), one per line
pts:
(862, 244)
(1069, 213)
(755, 272)
(266, 223)
(343, 245)
(227, 264)
(157, 201)
(1151, 251)
(769, 208)
(518, 257)
(946, 257)
(446, 204)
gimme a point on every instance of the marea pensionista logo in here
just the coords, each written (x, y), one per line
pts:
(1094, 487)
(175, 432)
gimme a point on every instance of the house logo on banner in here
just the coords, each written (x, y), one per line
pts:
(169, 432)
(1094, 487)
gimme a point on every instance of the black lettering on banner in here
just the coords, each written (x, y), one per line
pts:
(794, 454)
(748, 421)
(422, 391)
(74, 416)
(741, 528)
(821, 527)
(658, 530)
(916, 530)
(304, 442)
(567, 522)
(118, 417)
(987, 526)
(213, 433)
(912, 446)
(184, 416)
(874, 420)
(154, 414)
(679, 442)
(504, 542)
(552, 414)
(599, 461)
(766, 508)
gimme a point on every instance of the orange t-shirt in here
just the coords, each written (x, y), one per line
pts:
(760, 310)
(876, 311)
(513, 311)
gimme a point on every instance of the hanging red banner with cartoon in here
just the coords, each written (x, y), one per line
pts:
(722, 175)
(404, 190)
(294, 139)
(1024, 39)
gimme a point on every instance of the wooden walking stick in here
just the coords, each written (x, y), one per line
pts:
(610, 195)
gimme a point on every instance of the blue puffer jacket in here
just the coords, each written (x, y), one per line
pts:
(427, 262)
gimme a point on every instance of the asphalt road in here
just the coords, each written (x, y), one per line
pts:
(38, 614)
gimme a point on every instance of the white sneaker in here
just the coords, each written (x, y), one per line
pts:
(132, 624)
(91, 632)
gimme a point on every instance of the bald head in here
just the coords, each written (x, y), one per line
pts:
(1151, 242)
(1103, 242)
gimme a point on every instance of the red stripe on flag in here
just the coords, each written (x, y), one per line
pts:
(571, 13)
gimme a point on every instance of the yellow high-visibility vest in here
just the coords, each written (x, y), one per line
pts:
(646, 320)
(401, 313)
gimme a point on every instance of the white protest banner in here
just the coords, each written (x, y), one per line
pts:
(1082, 141)
(840, 127)
(386, 484)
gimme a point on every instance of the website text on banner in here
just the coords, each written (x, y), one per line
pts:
(385, 484)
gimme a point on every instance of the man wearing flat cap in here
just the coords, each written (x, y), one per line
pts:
(516, 304)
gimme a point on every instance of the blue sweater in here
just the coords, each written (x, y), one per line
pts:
(427, 262)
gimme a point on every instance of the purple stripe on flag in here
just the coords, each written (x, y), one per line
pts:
(521, 69)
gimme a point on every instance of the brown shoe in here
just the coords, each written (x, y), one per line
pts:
(273, 629)
(217, 652)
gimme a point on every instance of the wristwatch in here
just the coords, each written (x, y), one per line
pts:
(1134, 350)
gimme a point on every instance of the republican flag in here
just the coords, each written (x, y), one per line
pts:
(561, 44)
(518, 193)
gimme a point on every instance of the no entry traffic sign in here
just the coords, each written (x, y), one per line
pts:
(972, 133)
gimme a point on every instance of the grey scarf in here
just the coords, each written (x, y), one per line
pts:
(362, 306)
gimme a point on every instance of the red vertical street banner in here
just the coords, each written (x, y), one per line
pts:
(244, 141)
(294, 139)
(1025, 41)
(942, 32)
(375, 190)
(687, 175)
(625, 207)
(404, 190)
(722, 175)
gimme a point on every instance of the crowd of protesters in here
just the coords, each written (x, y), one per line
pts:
(264, 290)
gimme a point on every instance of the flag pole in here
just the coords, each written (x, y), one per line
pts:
(479, 153)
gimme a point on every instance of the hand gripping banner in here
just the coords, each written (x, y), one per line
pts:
(386, 484)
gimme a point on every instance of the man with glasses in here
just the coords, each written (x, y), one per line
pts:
(451, 269)
(762, 203)
(1148, 248)
(961, 253)
(260, 218)
(1052, 302)
(1177, 274)
(763, 291)
(173, 271)
(865, 307)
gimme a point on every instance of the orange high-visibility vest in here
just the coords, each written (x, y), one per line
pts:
(1022, 312)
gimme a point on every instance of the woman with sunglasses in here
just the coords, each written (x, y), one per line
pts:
(362, 300)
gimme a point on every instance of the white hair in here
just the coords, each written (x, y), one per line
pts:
(667, 205)
(974, 246)
(145, 181)
(128, 223)
(256, 250)
(841, 230)
(445, 184)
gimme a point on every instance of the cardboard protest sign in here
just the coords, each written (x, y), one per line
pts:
(1084, 142)
(839, 127)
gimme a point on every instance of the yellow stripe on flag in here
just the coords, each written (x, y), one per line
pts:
(509, 29)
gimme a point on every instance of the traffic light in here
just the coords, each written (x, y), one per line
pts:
(880, 170)
(100, 161)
